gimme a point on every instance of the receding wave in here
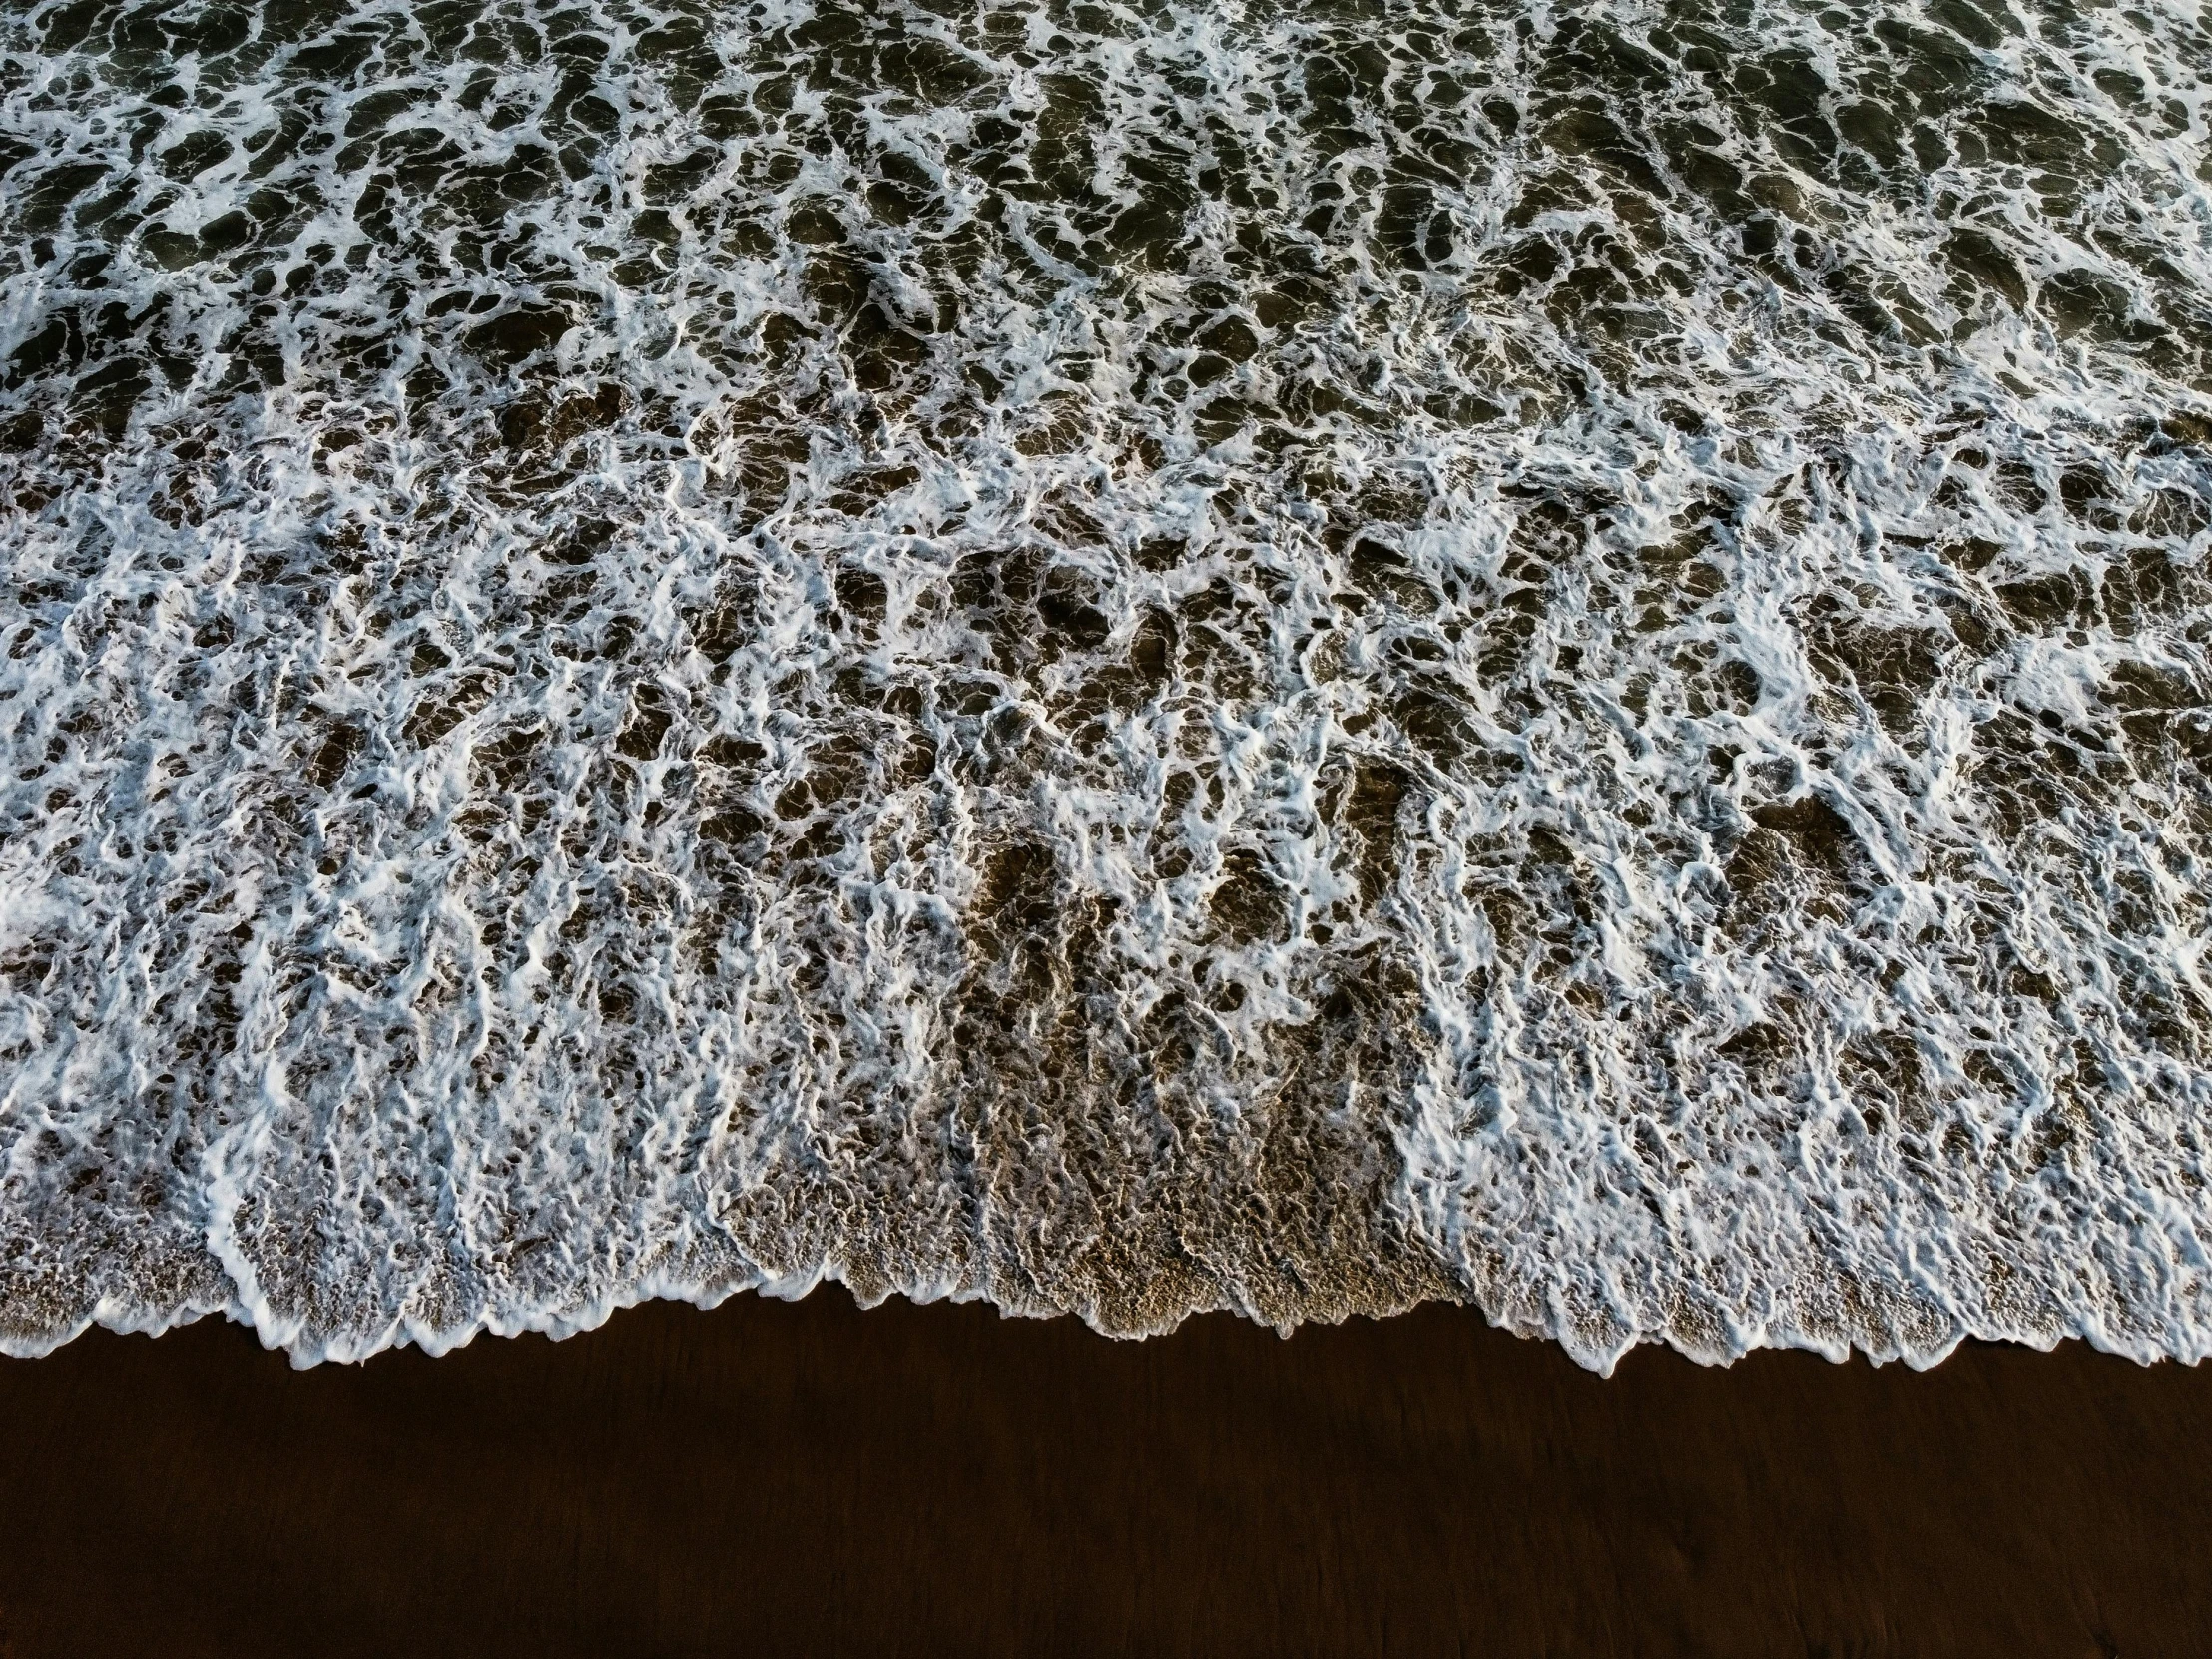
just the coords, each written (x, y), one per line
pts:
(1123, 658)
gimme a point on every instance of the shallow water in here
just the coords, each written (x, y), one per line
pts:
(1123, 658)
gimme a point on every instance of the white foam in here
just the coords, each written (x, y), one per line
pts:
(1437, 655)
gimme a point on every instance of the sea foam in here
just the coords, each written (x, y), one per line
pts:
(1127, 658)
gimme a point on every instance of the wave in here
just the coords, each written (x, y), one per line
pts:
(1124, 658)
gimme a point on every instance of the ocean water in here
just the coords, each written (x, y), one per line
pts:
(1124, 658)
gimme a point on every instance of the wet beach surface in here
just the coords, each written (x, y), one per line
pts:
(774, 1478)
(1132, 659)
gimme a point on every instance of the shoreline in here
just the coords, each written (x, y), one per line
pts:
(807, 1477)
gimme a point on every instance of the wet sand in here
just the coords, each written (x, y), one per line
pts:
(775, 1478)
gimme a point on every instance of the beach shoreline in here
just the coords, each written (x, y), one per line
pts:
(794, 1477)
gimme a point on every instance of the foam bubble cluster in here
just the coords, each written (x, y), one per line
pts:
(1125, 658)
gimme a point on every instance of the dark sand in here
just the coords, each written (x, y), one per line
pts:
(807, 1479)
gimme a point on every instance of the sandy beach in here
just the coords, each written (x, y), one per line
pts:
(1313, 658)
(773, 1477)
